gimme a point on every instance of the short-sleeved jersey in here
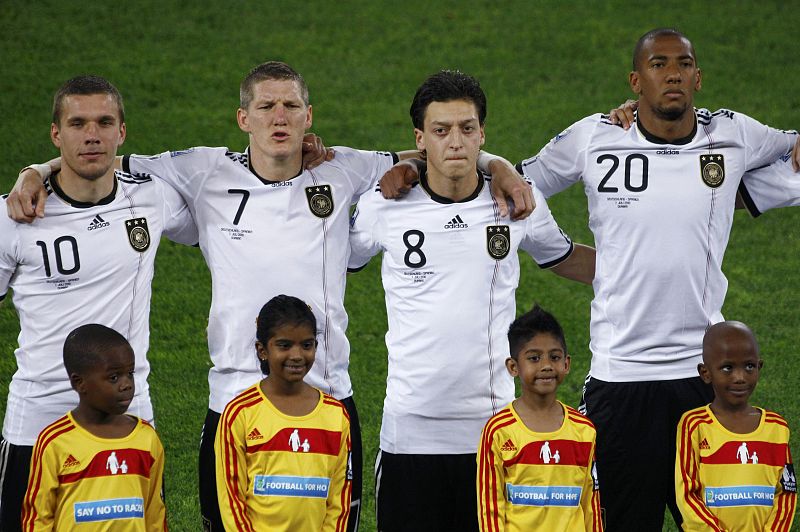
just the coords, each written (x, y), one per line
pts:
(450, 271)
(80, 481)
(770, 187)
(82, 263)
(535, 480)
(283, 473)
(661, 215)
(734, 482)
(261, 239)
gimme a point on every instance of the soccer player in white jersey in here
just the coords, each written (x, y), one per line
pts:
(260, 211)
(450, 270)
(90, 260)
(661, 201)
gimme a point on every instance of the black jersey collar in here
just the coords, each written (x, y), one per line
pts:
(423, 181)
(658, 140)
(82, 204)
(263, 179)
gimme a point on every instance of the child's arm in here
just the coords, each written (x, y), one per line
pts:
(231, 466)
(39, 505)
(490, 484)
(155, 514)
(340, 490)
(785, 502)
(590, 497)
(688, 489)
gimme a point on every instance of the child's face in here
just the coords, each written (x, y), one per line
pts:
(732, 369)
(541, 365)
(109, 386)
(289, 352)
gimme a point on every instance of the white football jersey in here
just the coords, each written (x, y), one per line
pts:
(770, 187)
(261, 239)
(450, 271)
(661, 215)
(82, 263)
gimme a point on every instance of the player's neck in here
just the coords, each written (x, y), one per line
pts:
(85, 190)
(276, 168)
(668, 130)
(739, 419)
(291, 398)
(103, 424)
(540, 413)
(455, 188)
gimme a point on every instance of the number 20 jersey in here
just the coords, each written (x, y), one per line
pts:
(80, 264)
(661, 215)
(261, 239)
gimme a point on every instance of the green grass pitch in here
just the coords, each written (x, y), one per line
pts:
(542, 64)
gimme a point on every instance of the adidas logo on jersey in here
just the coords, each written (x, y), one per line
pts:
(254, 435)
(508, 446)
(456, 223)
(71, 461)
(704, 446)
(668, 152)
(97, 223)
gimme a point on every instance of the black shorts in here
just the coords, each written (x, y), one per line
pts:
(209, 504)
(426, 492)
(636, 426)
(15, 467)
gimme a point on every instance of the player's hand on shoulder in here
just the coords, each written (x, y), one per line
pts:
(509, 189)
(26, 200)
(399, 179)
(624, 114)
(314, 151)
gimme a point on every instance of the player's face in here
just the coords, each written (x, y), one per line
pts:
(289, 352)
(732, 368)
(89, 133)
(452, 138)
(541, 365)
(276, 119)
(108, 388)
(666, 77)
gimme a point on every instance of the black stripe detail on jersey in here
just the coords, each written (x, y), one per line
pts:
(357, 268)
(658, 140)
(560, 259)
(83, 204)
(393, 155)
(134, 179)
(747, 199)
(423, 180)
(518, 166)
(723, 112)
(241, 158)
(126, 164)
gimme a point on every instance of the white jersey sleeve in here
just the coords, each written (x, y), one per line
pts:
(365, 241)
(562, 161)
(8, 244)
(179, 225)
(771, 187)
(365, 168)
(544, 240)
(763, 144)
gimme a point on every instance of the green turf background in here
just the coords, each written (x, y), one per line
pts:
(543, 65)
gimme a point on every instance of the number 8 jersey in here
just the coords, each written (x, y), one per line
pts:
(450, 271)
(661, 215)
(82, 263)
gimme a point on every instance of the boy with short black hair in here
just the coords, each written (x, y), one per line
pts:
(96, 464)
(734, 468)
(536, 461)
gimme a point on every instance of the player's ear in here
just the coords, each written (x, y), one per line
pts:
(567, 360)
(512, 367)
(261, 351)
(483, 136)
(699, 83)
(760, 364)
(705, 375)
(241, 119)
(309, 120)
(77, 382)
(55, 135)
(419, 139)
(123, 133)
(633, 80)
